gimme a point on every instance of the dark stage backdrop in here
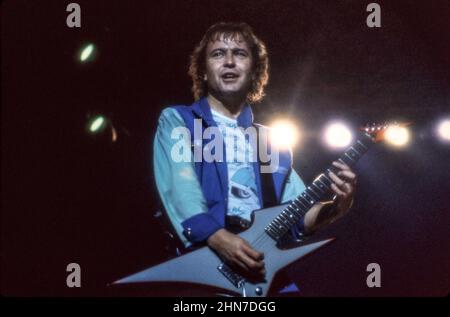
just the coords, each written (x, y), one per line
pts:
(68, 197)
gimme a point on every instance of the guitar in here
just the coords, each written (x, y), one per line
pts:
(203, 266)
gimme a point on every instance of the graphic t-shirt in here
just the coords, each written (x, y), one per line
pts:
(242, 193)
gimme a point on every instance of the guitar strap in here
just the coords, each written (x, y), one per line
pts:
(268, 190)
(267, 184)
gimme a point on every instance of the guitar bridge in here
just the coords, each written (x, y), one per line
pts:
(236, 279)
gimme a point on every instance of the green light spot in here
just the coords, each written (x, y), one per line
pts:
(87, 52)
(97, 124)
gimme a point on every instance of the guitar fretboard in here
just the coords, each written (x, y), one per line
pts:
(316, 191)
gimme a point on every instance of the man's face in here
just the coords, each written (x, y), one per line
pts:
(229, 66)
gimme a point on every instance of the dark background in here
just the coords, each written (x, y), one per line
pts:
(69, 197)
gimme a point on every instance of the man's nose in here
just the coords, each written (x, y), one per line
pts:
(229, 60)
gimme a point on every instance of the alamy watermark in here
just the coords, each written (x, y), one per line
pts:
(74, 277)
(374, 278)
(208, 146)
(374, 18)
(73, 19)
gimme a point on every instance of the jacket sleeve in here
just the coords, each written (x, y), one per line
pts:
(177, 182)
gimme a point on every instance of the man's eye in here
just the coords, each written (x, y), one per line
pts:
(240, 53)
(217, 54)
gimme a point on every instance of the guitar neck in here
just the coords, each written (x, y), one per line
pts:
(316, 191)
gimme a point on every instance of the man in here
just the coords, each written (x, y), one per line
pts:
(206, 201)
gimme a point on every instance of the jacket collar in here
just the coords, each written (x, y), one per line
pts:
(202, 109)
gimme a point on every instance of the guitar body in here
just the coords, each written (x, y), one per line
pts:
(202, 265)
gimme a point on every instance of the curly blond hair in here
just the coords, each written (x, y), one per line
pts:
(231, 30)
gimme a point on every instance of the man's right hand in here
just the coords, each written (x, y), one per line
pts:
(237, 252)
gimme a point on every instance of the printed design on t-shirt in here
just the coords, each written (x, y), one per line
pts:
(243, 191)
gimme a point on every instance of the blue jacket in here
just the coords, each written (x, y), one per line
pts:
(212, 176)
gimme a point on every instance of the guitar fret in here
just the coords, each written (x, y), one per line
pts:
(292, 215)
(309, 199)
(348, 161)
(279, 225)
(272, 232)
(277, 230)
(342, 161)
(333, 169)
(330, 181)
(361, 150)
(349, 157)
(319, 188)
(287, 214)
(288, 223)
(298, 203)
(354, 152)
(291, 209)
(298, 214)
(273, 228)
(312, 193)
(298, 209)
(283, 218)
(362, 144)
(276, 223)
(303, 204)
(325, 180)
(323, 187)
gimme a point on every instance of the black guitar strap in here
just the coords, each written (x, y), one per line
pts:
(267, 185)
(268, 190)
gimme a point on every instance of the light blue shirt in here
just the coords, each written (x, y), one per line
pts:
(242, 190)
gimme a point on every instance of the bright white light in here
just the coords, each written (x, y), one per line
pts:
(397, 135)
(338, 135)
(97, 124)
(86, 52)
(443, 130)
(283, 134)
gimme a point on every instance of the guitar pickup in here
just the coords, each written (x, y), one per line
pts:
(236, 279)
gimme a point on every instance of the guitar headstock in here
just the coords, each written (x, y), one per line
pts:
(386, 131)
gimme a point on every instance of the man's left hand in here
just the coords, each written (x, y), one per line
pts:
(344, 183)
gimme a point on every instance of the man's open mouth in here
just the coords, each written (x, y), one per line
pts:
(229, 76)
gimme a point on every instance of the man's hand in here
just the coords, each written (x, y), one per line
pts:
(344, 187)
(237, 252)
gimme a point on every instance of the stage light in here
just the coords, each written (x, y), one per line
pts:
(338, 135)
(87, 52)
(283, 134)
(397, 135)
(443, 130)
(97, 124)
(101, 128)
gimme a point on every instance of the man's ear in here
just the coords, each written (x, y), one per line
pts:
(205, 78)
